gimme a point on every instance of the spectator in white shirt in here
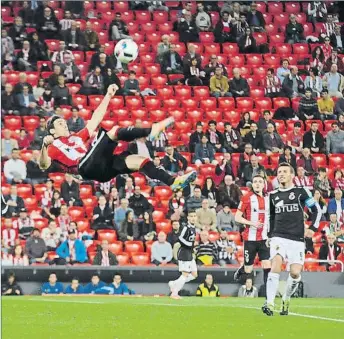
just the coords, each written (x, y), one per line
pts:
(15, 168)
(59, 56)
(8, 236)
(161, 250)
(51, 235)
(66, 22)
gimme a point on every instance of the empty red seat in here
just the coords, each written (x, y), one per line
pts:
(53, 45)
(160, 17)
(201, 92)
(282, 48)
(213, 114)
(261, 38)
(171, 104)
(94, 101)
(24, 190)
(208, 104)
(226, 103)
(165, 92)
(206, 37)
(237, 60)
(336, 160)
(232, 116)
(116, 102)
(120, 6)
(254, 59)
(207, 170)
(142, 16)
(235, 236)
(230, 49)
(321, 159)
(275, 7)
(147, 58)
(150, 27)
(257, 92)
(165, 27)
(182, 92)
(152, 102)
(30, 122)
(280, 126)
(292, 7)
(272, 60)
(153, 69)
(41, 223)
(189, 104)
(183, 126)
(263, 103)
(281, 102)
(12, 122)
(30, 203)
(153, 37)
(212, 48)
(83, 224)
(133, 102)
(244, 103)
(123, 259)
(76, 212)
(141, 259)
(159, 215)
(159, 80)
(26, 155)
(327, 125)
(133, 246)
(157, 115)
(164, 226)
(163, 192)
(214, 236)
(85, 191)
(116, 247)
(80, 100)
(109, 235)
(179, 115)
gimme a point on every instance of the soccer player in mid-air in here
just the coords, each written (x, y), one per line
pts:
(186, 262)
(68, 152)
(253, 214)
(286, 230)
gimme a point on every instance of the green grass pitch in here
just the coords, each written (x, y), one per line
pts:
(162, 318)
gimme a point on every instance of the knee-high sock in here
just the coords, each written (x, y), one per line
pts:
(272, 287)
(153, 172)
(132, 133)
(292, 285)
(190, 277)
(179, 283)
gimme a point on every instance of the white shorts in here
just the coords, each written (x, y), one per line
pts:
(292, 252)
(187, 266)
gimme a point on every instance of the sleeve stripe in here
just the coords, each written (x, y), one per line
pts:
(183, 240)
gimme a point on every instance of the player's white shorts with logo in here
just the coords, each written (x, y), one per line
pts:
(187, 266)
(293, 252)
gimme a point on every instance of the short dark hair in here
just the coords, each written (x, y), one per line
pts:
(324, 91)
(191, 211)
(198, 187)
(225, 12)
(132, 72)
(285, 164)
(95, 275)
(52, 273)
(335, 123)
(76, 278)
(322, 169)
(15, 149)
(271, 70)
(227, 124)
(308, 89)
(117, 273)
(212, 122)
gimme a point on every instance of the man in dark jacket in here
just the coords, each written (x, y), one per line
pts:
(188, 31)
(232, 138)
(265, 120)
(70, 190)
(336, 36)
(294, 31)
(14, 203)
(118, 28)
(172, 62)
(39, 134)
(104, 257)
(293, 85)
(272, 141)
(139, 203)
(204, 152)
(26, 58)
(102, 215)
(48, 26)
(215, 137)
(255, 19)
(195, 137)
(238, 86)
(222, 31)
(34, 173)
(329, 251)
(11, 287)
(74, 38)
(91, 38)
(308, 106)
(255, 138)
(190, 55)
(251, 169)
(173, 161)
(313, 139)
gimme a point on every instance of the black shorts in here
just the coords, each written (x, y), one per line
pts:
(99, 163)
(252, 248)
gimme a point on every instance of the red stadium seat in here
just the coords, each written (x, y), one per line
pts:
(6, 189)
(320, 159)
(141, 113)
(275, 7)
(230, 49)
(179, 115)
(153, 69)
(272, 60)
(292, 7)
(154, 37)
(162, 192)
(207, 170)
(237, 60)
(165, 92)
(257, 92)
(327, 125)
(212, 48)
(283, 49)
(80, 100)
(133, 102)
(120, 6)
(152, 103)
(24, 190)
(94, 101)
(116, 103)
(160, 17)
(133, 246)
(300, 49)
(189, 104)
(263, 104)
(244, 103)
(30, 203)
(182, 92)
(53, 45)
(171, 104)
(165, 27)
(226, 103)
(76, 212)
(12, 122)
(157, 115)
(254, 59)
(261, 38)
(281, 20)
(234, 236)
(207, 37)
(214, 236)
(213, 115)
(276, 39)
(73, 88)
(159, 80)
(85, 191)
(41, 223)
(25, 155)
(232, 116)
(280, 126)
(142, 16)
(201, 92)
(180, 48)
(141, 259)
(83, 225)
(208, 104)
(108, 235)
(31, 122)
(159, 215)
(336, 160)
(123, 259)
(271, 29)
(107, 124)
(138, 37)
(116, 247)
(280, 102)
(164, 226)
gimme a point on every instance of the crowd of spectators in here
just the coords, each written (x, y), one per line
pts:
(226, 152)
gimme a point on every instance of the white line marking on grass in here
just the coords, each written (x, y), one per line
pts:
(67, 301)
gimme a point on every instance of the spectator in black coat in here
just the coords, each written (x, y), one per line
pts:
(204, 152)
(239, 27)
(75, 7)
(222, 30)
(11, 287)
(232, 138)
(195, 137)
(190, 55)
(48, 26)
(288, 87)
(329, 251)
(247, 43)
(255, 19)
(173, 161)
(61, 92)
(313, 139)
(26, 13)
(39, 47)
(139, 203)
(104, 257)
(18, 32)
(110, 78)
(118, 29)
(8, 100)
(129, 228)
(211, 67)
(74, 38)
(34, 174)
(14, 203)
(102, 215)
(255, 138)
(103, 61)
(337, 36)
(188, 31)
(70, 191)
(39, 134)
(288, 157)
(294, 31)
(19, 86)
(244, 158)
(229, 192)
(75, 123)
(171, 61)
(250, 170)
(147, 227)
(215, 137)
(26, 58)
(265, 120)
(238, 86)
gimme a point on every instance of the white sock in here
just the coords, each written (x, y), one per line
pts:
(179, 283)
(292, 285)
(272, 287)
(190, 277)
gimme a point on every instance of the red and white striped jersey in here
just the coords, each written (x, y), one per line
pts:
(255, 208)
(9, 236)
(66, 152)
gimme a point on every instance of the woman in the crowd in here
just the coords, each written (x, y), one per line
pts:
(53, 208)
(194, 75)
(318, 58)
(338, 181)
(46, 102)
(38, 90)
(129, 229)
(245, 124)
(314, 82)
(288, 157)
(147, 227)
(176, 205)
(16, 258)
(210, 192)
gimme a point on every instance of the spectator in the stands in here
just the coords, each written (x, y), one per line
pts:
(338, 108)
(64, 220)
(110, 78)
(218, 84)
(247, 43)
(129, 228)
(338, 181)
(318, 59)
(35, 175)
(321, 205)
(147, 227)
(223, 168)
(58, 57)
(75, 7)
(314, 82)
(72, 251)
(255, 138)
(210, 192)
(103, 62)
(52, 286)
(128, 190)
(48, 26)
(173, 161)
(120, 213)
(17, 32)
(238, 27)
(215, 137)
(46, 102)
(196, 137)
(104, 256)
(51, 235)
(232, 138)
(15, 168)
(210, 68)
(191, 54)
(14, 202)
(337, 39)
(251, 170)
(66, 22)
(204, 152)
(171, 62)
(238, 86)
(226, 249)
(322, 183)
(16, 258)
(8, 236)
(336, 204)
(301, 180)
(244, 124)
(272, 84)
(335, 227)
(294, 31)
(118, 29)
(40, 48)
(91, 38)
(102, 215)
(206, 217)
(194, 76)
(75, 123)
(294, 138)
(7, 49)
(70, 191)
(248, 290)
(222, 30)
(255, 19)
(288, 157)
(157, 6)
(94, 285)
(39, 134)
(38, 90)
(70, 70)
(75, 287)
(26, 58)
(313, 139)
(272, 141)
(316, 11)
(229, 192)
(308, 106)
(19, 86)
(173, 236)
(265, 120)
(53, 78)
(8, 101)
(202, 19)
(335, 140)
(35, 248)
(326, 106)
(24, 224)
(26, 102)
(74, 38)
(176, 205)
(206, 251)
(61, 93)
(162, 253)
(293, 85)
(208, 288)
(7, 144)
(194, 202)
(139, 203)
(283, 72)
(244, 158)
(163, 47)
(329, 251)
(334, 82)
(131, 85)
(187, 29)
(334, 59)
(225, 219)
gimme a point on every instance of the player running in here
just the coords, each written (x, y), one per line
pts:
(68, 152)
(253, 214)
(287, 228)
(186, 262)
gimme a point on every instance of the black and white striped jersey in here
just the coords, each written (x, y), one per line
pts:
(187, 240)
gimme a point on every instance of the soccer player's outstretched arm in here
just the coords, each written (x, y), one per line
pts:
(309, 201)
(44, 159)
(100, 111)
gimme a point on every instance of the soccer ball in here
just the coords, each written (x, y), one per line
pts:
(126, 51)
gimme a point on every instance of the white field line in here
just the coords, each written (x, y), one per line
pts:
(191, 305)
